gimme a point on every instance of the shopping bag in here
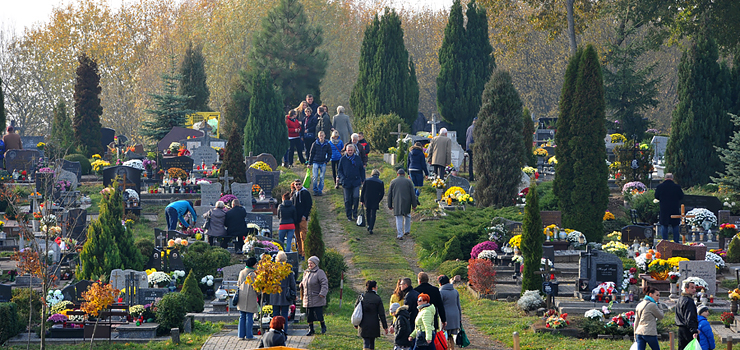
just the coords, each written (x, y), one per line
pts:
(461, 340)
(693, 345)
(357, 314)
(634, 346)
(361, 217)
(307, 180)
(440, 341)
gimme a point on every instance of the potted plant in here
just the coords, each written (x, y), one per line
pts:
(658, 269)
(727, 319)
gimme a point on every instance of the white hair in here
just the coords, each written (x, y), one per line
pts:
(443, 131)
(340, 109)
(351, 145)
(355, 136)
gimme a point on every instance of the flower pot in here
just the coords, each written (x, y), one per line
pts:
(660, 276)
(727, 325)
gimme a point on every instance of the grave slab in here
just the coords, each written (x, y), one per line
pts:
(702, 269)
(669, 249)
(243, 192)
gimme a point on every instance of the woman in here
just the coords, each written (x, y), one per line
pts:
(336, 145)
(309, 129)
(288, 217)
(647, 315)
(299, 112)
(314, 288)
(424, 323)
(247, 304)
(351, 175)
(372, 312)
(282, 301)
(295, 128)
(275, 336)
(417, 165)
(216, 219)
(453, 311)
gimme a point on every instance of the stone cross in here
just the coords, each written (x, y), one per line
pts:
(399, 133)
(206, 136)
(160, 239)
(588, 256)
(226, 179)
(683, 217)
(434, 123)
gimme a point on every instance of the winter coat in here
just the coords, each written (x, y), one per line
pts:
(402, 325)
(451, 305)
(351, 172)
(281, 299)
(324, 124)
(303, 203)
(435, 299)
(670, 195)
(309, 125)
(416, 160)
(409, 300)
(372, 312)
(218, 222)
(287, 213)
(440, 151)
(320, 152)
(247, 295)
(12, 141)
(401, 197)
(342, 125)
(424, 322)
(372, 192)
(365, 150)
(273, 338)
(294, 127)
(236, 222)
(336, 149)
(314, 288)
(469, 137)
(686, 313)
(647, 315)
(706, 335)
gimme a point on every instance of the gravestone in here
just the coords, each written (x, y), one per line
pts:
(133, 155)
(659, 144)
(174, 261)
(6, 293)
(132, 176)
(550, 217)
(118, 279)
(64, 175)
(669, 249)
(182, 162)
(31, 142)
(600, 267)
(155, 260)
(261, 220)
(204, 154)
(267, 180)
(150, 295)
(52, 246)
(139, 148)
(703, 269)
(210, 194)
(631, 233)
(461, 182)
(711, 203)
(231, 272)
(524, 183)
(77, 224)
(44, 183)
(243, 193)
(548, 252)
(141, 278)
(269, 159)
(107, 135)
(74, 167)
(21, 159)
(74, 292)
(294, 262)
(175, 135)
(457, 152)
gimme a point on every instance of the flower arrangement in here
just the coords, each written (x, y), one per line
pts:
(159, 278)
(702, 218)
(251, 242)
(50, 220)
(531, 300)
(466, 199)
(202, 182)
(674, 276)
(177, 243)
(576, 237)
(727, 230)
(134, 163)
(628, 278)
(207, 280)
(51, 230)
(256, 190)
(698, 282)
(545, 263)
(40, 146)
(177, 173)
(183, 151)
(615, 236)
(478, 248)
(487, 254)
(675, 260)
(617, 248)
(438, 183)
(454, 192)
(716, 259)
(529, 170)
(54, 297)
(136, 311)
(130, 194)
(267, 309)
(227, 198)
(618, 138)
(96, 156)
(608, 216)
(625, 319)
(178, 276)
(641, 262)
(594, 314)
(515, 241)
(633, 188)
(727, 318)
(99, 165)
(659, 266)
(496, 232)
(61, 306)
(540, 152)
(734, 294)
(261, 166)
(720, 252)
(57, 318)
(552, 160)
(46, 170)
(174, 147)
(556, 321)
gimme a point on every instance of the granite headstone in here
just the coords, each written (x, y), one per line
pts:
(204, 154)
(600, 267)
(267, 180)
(261, 220)
(21, 159)
(182, 162)
(550, 217)
(243, 192)
(210, 194)
(669, 249)
(703, 269)
(461, 182)
(74, 292)
(710, 203)
(107, 135)
(636, 232)
(6, 293)
(132, 176)
(231, 272)
(268, 158)
(74, 167)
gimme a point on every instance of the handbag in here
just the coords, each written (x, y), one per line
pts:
(235, 298)
(207, 224)
(421, 339)
(357, 314)
(307, 179)
(461, 340)
(361, 216)
(291, 294)
(440, 340)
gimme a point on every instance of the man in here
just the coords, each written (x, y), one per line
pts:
(372, 193)
(176, 211)
(670, 195)
(365, 147)
(351, 174)
(440, 153)
(324, 123)
(686, 317)
(342, 125)
(318, 157)
(435, 298)
(236, 224)
(410, 296)
(314, 106)
(303, 203)
(469, 148)
(12, 140)
(401, 198)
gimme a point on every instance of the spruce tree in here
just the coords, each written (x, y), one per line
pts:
(532, 239)
(234, 156)
(498, 146)
(192, 293)
(131, 257)
(313, 245)
(62, 135)
(2, 105)
(193, 79)
(100, 253)
(700, 121)
(88, 110)
(237, 109)
(169, 108)
(265, 131)
(527, 132)
(287, 46)
(731, 157)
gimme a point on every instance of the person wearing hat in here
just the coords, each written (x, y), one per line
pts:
(401, 326)
(11, 139)
(453, 311)
(176, 211)
(247, 304)
(469, 148)
(401, 198)
(276, 336)
(647, 315)
(314, 288)
(706, 335)
(424, 323)
(373, 315)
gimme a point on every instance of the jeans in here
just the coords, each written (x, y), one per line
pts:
(246, 321)
(351, 201)
(171, 215)
(664, 232)
(281, 237)
(319, 170)
(403, 224)
(295, 145)
(283, 310)
(417, 177)
(370, 215)
(644, 340)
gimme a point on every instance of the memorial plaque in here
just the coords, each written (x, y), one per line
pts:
(606, 272)
(182, 162)
(107, 135)
(21, 159)
(266, 179)
(261, 220)
(210, 194)
(204, 154)
(669, 249)
(550, 217)
(243, 193)
(74, 167)
(703, 269)
(6, 293)
(132, 176)
(150, 295)
(636, 232)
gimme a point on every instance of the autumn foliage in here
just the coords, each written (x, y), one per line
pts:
(482, 275)
(99, 297)
(268, 275)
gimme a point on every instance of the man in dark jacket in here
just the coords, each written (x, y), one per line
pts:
(310, 102)
(324, 123)
(318, 157)
(686, 317)
(351, 174)
(670, 195)
(236, 224)
(372, 193)
(303, 203)
(434, 298)
(409, 299)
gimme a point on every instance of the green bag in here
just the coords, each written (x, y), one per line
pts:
(307, 179)
(693, 345)
(461, 340)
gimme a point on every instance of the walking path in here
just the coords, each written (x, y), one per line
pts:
(227, 340)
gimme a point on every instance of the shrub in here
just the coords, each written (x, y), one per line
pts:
(615, 225)
(145, 246)
(313, 245)
(21, 297)
(333, 264)
(453, 268)
(452, 249)
(204, 260)
(378, 130)
(530, 301)
(647, 211)
(84, 162)
(192, 293)
(482, 275)
(171, 312)
(547, 199)
(9, 325)
(733, 251)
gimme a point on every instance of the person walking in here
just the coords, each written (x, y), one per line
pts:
(11, 139)
(342, 124)
(434, 297)
(647, 315)
(417, 165)
(314, 288)
(453, 311)
(176, 211)
(424, 330)
(324, 121)
(706, 335)
(311, 103)
(440, 153)
(401, 198)
(351, 176)
(303, 203)
(686, 317)
(288, 217)
(309, 127)
(372, 193)
(401, 327)
(365, 148)
(282, 301)
(276, 336)
(247, 304)
(469, 148)
(337, 145)
(236, 224)
(409, 297)
(670, 195)
(295, 128)
(320, 155)
(216, 224)
(372, 312)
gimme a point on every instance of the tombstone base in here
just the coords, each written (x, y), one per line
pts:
(557, 245)
(219, 307)
(145, 331)
(265, 206)
(663, 286)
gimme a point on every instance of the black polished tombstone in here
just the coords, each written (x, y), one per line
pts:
(128, 177)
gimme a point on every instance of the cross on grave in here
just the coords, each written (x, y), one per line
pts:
(588, 254)
(115, 275)
(226, 179)
(683, 217)
(206, 134)
(160, 240)
(399, 133)
(434, 123)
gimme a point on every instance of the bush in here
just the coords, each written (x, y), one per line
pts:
(21, 297)
(333, 265)
(733, 251)
(171, 312)
(452, 249)
(647, 211)
(313, 245)
(192, 293)
(616, 224)
(482, 275)
(378, 130)
(84, 162)
(145, 246)
(9, 325)
(547, 199)
(204, 260)
(530, 301)
(452, 268)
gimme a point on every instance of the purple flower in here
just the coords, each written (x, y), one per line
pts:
(487, 245)
(56, 318)
(228, 198)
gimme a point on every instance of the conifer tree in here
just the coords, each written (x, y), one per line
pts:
(527, 132)
(237, 109)
(314, 242)
(2, 105)
(481, 62)
(88, 110)
(731, 157)
(287, 47)
(532, 239)
(169, 108)
(100, 252)
(193, 79)
(234, 156)
(265, 131)
(498, 141)
(192, 293)
(131, 257)
(62, 134)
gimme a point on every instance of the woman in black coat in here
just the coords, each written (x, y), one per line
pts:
(372, 312)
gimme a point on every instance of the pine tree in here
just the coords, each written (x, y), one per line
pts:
(62, 134)
(237, 109)
(313, 245)
(527, 132)
(2, 105)
(498, 141)
(700, 121)
(193, 79)
(88, 110)
(532, 239)
(265, 131)
(386, 82)
(287, 46)
(169, 109)
(234, 156)
(192, 293)
(731, 157)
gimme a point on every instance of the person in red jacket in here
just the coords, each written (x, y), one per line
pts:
(294, 137)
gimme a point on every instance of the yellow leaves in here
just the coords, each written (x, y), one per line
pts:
(99, 297)
(268, 275)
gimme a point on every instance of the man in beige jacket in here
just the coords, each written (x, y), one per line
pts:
(440, 153)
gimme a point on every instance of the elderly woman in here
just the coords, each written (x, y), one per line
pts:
(314, 288)
(282, 301)
(214, 226)
(247, 304)
(453, 311)
(351, 175)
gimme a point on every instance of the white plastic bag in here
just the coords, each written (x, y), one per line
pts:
(357, 314)
(634, 346)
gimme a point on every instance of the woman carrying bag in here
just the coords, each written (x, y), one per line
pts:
(647, 315)
(373, 315)
(247, 303)
(424, 324)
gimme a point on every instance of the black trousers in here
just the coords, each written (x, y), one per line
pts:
(308, 142)
(471, 177)
(371, 214)
(439, 170)
(296, 145)
(684, 337)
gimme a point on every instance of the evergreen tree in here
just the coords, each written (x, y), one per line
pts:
(527, 132)
(480, 63)
(193, 79)
(532, 239)
(2, 105)
(100, 252)
(265, 131)
(62, 135)
(192, 293)
(169, 109)
(386, 82)
(313, 245)
(700, 121)
(88, 110)
(731, 157)
(131, 257)
(234, 156)
(735, 83)
(287, 46)
(237, 109)
(498, 141)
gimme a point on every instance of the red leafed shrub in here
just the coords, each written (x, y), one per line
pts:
(482, 275)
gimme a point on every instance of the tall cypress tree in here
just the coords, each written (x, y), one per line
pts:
(234, 155)
(88, 110)
(265, 131)
(498, 141)
(62, 134)
(532, 239)
(287, 47)
(169, 108)
(237, 109)
(527, 132)
(452, 91)
(2, 105)
(480, 62)
(193, 79)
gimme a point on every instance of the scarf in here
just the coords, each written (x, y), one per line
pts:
(352, 158)
(649, 298)
(336, 141)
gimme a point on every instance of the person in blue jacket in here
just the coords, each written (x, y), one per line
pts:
(706, 336)
(176, 211)
(351, 175)
(417, 166)
(337, 145)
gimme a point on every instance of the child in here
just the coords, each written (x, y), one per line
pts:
(706, 336)
(401, 326)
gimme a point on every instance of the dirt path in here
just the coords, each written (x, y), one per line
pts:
(334, 238)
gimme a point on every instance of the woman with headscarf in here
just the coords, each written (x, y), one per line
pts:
(314, 288)
(282, 301)
(276, 336)
(216, 219)
(424, 323)
(453, 311)
(247, 304)
(373, 314)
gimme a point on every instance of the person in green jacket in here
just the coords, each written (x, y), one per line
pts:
(424, 323)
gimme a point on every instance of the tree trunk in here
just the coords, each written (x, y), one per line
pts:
(95, 328)
(571, 27)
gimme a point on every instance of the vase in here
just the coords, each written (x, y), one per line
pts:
(660, 276)
(440, 192)
(727, 325)
(563, 235)
(733, 307)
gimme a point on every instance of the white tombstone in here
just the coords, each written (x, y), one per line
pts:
(703, 269)
(659, 144)
(524, 183)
